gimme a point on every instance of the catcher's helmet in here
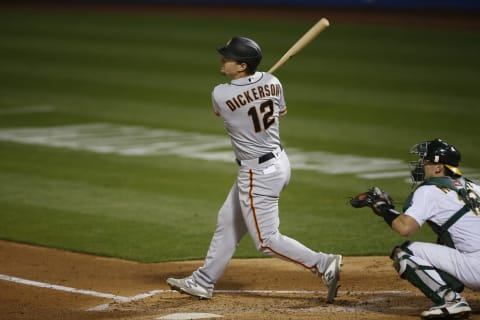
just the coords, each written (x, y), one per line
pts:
(242, 49)
(436, 151)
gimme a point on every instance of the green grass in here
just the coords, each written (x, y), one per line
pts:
(358, 89)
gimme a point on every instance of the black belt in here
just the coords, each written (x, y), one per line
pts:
(264, 158)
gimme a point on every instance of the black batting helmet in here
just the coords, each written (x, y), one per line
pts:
(436, 151)
(244, 50)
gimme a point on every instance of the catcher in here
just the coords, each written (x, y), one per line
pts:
(450, 204)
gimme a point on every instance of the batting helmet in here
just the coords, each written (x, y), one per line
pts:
(436, 151)
(244, 50)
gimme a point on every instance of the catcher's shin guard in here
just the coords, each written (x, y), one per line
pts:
(424, 277)
(453, 282)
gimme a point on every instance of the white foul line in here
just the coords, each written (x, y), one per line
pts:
(144, 295)
(62, 288)
(117, 298)
(140, 296)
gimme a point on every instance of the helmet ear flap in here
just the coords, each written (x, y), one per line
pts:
(440, 151)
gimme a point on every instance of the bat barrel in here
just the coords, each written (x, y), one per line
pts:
(301, 43)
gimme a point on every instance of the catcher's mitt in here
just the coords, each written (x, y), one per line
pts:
(375, 199)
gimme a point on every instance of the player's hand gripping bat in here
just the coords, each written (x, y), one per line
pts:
(301, 43)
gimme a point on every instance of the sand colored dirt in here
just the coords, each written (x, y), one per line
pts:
(250, 289)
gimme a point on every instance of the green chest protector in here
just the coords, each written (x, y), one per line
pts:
(469, 197)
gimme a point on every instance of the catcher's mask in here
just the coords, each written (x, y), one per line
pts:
(436, 151)
(243, 49)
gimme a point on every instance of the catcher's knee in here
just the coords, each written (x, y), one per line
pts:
(398, 254)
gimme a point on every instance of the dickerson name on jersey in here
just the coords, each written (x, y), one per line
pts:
(260, 92)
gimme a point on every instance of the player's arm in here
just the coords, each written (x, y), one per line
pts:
(382, 205)
(282, 106)
(405, 225)
(215, 107)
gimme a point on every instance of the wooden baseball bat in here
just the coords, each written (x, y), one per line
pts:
(301, 43)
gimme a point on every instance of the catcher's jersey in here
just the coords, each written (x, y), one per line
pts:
(250, 108)
(432, 203)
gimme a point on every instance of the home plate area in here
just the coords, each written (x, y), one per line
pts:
(401, 304)
(279, 305)
(375, 293)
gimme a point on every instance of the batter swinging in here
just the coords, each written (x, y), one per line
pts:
(250, 106)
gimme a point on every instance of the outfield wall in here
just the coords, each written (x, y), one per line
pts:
(464, 5)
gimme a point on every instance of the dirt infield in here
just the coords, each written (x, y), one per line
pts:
(43, 283)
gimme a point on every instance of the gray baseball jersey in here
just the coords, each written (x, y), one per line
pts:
(250, 108)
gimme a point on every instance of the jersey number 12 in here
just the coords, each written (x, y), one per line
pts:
(266, 111)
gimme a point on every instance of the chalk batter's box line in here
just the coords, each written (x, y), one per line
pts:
(123, 299)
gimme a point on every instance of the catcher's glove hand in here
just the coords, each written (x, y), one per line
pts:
(379, 201)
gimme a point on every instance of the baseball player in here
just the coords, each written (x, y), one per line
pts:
(450, 204)
(250, 106)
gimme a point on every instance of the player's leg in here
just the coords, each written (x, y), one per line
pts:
(461, 266)
(424, 276)
(259, 195)
(229, 231)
